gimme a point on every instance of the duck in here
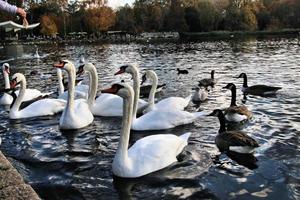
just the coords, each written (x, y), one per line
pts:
(158, 119)
(182, 71)
(41, 107)
(235, 113)
(206, 82)
(259, 90)
(235, 141)
(77, 113)
(147, 155)
(170, 103)
(29, 94)
(200, 94)
(106, 105)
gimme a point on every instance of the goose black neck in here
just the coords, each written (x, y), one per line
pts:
(222, 122)
(233, 96)
(212, 74)
(245, 84)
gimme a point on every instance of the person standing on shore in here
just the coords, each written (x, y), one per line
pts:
(14, 10)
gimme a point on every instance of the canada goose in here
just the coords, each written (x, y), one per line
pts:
(182, 71)
(235, 141)
(208, 81)
(260, 90)
(235, 113)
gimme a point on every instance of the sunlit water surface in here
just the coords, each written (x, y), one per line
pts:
(77, 164)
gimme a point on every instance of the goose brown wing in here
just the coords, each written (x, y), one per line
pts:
(238, 139)
(243, 110)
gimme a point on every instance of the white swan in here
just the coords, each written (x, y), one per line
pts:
(170, 103)
(156, 119)
(200, 94)
(6, 99)
(108, 105)
(148, 154)
(81, 91)
(77, 113)
(38, 108)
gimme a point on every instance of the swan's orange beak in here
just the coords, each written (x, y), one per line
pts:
(59, 65)
(13, 83)
(111, 90)
(121, 71)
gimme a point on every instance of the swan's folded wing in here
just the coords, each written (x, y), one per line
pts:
(155, 152)
(108, 105)
(173, 103)
(30, 94)
(159, 120)
(43, 107)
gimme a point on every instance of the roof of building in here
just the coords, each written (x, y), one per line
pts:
(10, 25)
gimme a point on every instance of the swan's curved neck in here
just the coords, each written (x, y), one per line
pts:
(6, 80)
(122, 151)
(222, 123)
(233, 96)
(245, 83)
(60, 82)
(136, 87)
(153, 90)
(93, 85)
(71, 90)
(15, 107)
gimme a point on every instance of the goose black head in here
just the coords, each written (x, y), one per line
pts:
(242, 75)
(216, 113)
(230, 86)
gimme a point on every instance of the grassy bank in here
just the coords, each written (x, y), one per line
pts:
(235, 34)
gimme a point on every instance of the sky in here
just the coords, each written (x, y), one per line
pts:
(116, 3)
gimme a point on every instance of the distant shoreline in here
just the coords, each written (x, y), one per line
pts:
(236, 34)
(161, 37)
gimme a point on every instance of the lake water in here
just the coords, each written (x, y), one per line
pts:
(77, 165)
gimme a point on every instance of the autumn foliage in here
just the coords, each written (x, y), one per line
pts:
(94, 16)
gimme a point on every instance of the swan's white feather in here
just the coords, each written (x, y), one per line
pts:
(42, 107)
(159, 120)
(151, 154)
(77, 118)
(110, 105)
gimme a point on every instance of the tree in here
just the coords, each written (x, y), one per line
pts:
(174, 20)
(48, 25)
(125, 19)
(99, 19)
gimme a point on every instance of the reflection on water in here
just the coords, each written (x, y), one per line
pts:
(77, 164)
